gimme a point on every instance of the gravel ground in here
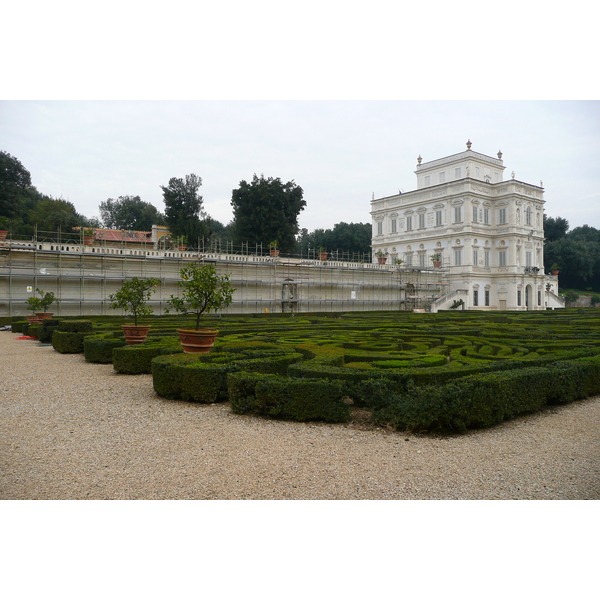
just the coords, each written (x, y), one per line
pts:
(73, 430)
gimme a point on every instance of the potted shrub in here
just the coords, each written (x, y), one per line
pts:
(398, 261)
(322, 253)
(34, 304)
(436, 259)
(202, 290)
(554, 269)
(273, 248)
(381, 257)
(41, 304)
(132, 297)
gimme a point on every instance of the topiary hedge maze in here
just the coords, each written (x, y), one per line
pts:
(445, 372)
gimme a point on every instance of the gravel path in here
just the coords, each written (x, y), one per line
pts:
(73, 430)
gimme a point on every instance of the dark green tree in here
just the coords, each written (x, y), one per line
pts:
(265, 210)
(131, 213)
(51, 214)
(555, 228)
(350, 240)
(15, 186)
(183, 207)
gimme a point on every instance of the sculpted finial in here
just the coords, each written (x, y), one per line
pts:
(469, 144)
(499, 154)
(419, 159)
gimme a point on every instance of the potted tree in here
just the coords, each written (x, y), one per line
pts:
(554, 269)
(202, 290)
(398, 262)
(273, 248)
(322, 253)
(46, 301)
(381, 257)
(132, 297)
(436, 259)
(34, 304)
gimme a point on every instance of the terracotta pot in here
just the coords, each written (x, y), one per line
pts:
(322, 255)
(3, 234)
(182, 247)
(196, 341)
(135, 334)
(31, 319)
(43, 315)
(88, 240)
(382, 260)
(555, 272)
(274, 252)
(437, 264)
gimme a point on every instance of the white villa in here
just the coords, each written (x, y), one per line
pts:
(487, 231)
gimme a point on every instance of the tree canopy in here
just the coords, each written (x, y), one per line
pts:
(183, 207)
(130, 212)
(576, 253)
(344, 239)
(266, 210)
(555, 228)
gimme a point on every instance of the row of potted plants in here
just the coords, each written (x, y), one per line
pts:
(202, 290)
(436, 259)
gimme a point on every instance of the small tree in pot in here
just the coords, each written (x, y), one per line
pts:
(41, 305)
(133, 297)
(202, 291)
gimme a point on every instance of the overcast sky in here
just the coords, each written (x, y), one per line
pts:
(339, 152)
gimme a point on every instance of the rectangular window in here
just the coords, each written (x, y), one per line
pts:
(457, 172)
(475, 257)
(502, 258)
(528, 216)
(458, 258)
(422, 260)
(438, 217)
(486, 216)
(393, 225)
(487, 297)
(486, 258)
(408, 223)
(422, 221)
(379, 227)
(409, 260)
(442, 177)
(518, 297)
(427, 180)
(474, 214)
(528, 259)
(502, 216)
(475, 297)
(458, 214)
(477, 172)
(539, 298)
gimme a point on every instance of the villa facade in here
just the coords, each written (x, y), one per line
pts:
(486, 231)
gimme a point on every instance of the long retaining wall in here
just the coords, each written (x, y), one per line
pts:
(83, 277)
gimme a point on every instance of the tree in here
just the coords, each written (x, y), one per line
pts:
(130, 212)
(15, 186)
(265, 210)
(50, 215)
(555, 228)
(183, 207)
(133, 297)
(203, 290)
(344, 239)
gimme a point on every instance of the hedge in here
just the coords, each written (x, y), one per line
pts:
(137, 359)
(99, 348)
(287, 398)
(488, 399)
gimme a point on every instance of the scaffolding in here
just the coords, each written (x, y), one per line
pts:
(83, 276)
